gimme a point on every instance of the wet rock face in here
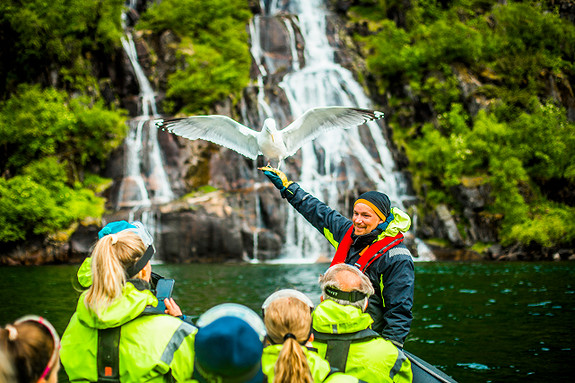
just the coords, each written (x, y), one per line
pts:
(59, 249)
(187, 236)
(218, 226)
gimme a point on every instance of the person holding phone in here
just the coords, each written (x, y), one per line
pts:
(162, 286)
(112, 335)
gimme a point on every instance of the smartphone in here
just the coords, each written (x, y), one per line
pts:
(164, 289)
(154, 280)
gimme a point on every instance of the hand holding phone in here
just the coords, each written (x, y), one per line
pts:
(172, 308)
(164, 289)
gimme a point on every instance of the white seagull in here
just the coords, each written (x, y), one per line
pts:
(272, 143)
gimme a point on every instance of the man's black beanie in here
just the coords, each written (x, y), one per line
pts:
(379, 202)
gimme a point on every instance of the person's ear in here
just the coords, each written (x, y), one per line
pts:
(146, 273)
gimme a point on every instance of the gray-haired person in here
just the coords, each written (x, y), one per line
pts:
(342, 330)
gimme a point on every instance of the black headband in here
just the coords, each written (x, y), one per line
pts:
(142, 262)
(292, 336)
(350, 296)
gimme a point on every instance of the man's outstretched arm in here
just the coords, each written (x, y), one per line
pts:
(327, 221)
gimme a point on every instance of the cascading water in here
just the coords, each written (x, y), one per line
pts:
(334, 167)
(145, 182)
(326, 169)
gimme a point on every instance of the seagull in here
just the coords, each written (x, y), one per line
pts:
(272, 143)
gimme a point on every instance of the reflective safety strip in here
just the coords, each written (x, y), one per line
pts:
(175, 342)
(401, 358)
(329, 236)
(398, 251)
(381, 286)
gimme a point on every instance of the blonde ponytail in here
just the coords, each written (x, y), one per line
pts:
(111, 256)
(288, 321)
(292, 365)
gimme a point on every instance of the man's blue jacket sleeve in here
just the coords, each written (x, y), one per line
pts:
(327, 221)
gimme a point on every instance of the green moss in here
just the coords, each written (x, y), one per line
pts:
(204, 189)
(439, 242)
(481, 247)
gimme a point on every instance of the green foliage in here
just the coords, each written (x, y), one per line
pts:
(481, 247)
(39, 36)
(446, 40)
(549, 224)
(36, 123)
(39, 201)
(545, 142)
(442, 92)
(534, 145)
(389, 54)
(205, 189)
(207, 78)
(213, 52)
(47, 138)
(518, 137)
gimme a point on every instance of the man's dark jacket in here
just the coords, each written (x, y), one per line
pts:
(392, 274)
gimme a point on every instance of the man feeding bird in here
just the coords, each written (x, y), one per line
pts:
(272, 143)
(372, 241)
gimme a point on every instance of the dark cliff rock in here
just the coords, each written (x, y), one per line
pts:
(61, 248)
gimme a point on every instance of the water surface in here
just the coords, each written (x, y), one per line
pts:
(478, 322)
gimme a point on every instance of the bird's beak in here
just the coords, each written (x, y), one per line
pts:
(273, 138)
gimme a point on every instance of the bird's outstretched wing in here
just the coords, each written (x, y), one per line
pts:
(320, 120)
(220, 130)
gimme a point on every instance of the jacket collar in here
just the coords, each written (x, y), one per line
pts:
(332, 318)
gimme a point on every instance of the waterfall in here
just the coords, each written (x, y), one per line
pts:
(327, 169)
(145, 182)
(333, 167)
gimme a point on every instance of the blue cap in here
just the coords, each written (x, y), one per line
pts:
(229, 349)
(135, 226)
(115, 227)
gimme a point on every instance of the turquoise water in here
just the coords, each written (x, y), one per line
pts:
(478, 322)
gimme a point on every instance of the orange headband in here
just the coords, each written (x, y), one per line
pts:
(372, 206)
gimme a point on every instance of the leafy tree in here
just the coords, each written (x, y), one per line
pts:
(41, 38)
(40, 201)
(213, 51)
(36, 123)
(519, 139)
(47, 140)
